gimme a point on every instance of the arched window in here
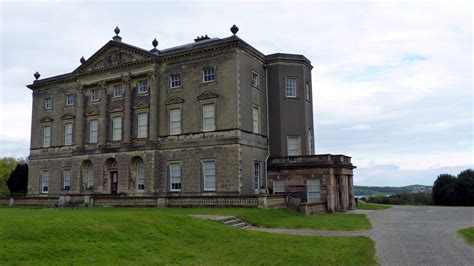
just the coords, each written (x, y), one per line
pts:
(140, 175)
(90, 177)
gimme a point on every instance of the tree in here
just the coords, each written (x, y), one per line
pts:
(18, 181)
(443, 189)
(7, 165)
(464, 188)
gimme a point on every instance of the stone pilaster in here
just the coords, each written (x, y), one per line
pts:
(154, 92)
(127, 110)
(80, 119)
(103, 115)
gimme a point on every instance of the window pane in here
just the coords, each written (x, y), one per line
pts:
(255, 114)
(143, 125)
(208, 74)
(94, 131)
(175, 176)
(46, 136)
(90, 177)
(209, 172)
(293, 146)
(208, 117)
(314, 190)
(117, 128)
(68, 134)
(290, 85)
(175, 121)
(44, 181)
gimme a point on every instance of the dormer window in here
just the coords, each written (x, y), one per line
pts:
(208, 74)
(143, 86)
(94, 95)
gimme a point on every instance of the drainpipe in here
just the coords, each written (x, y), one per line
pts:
(268, 129)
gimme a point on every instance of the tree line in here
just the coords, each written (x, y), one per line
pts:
(448, 190)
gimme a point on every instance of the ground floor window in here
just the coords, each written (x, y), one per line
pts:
(66, 179)
(278, 186)
(175, 176)
(257, 175)
(314, 190)
(140, 175)
(44, 181)
(209, 173)
(90, 177)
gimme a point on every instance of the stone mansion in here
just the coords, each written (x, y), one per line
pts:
(214, 117)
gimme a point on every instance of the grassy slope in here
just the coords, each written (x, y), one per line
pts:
(285, 218)
(468, 234)
(154, 236)
(372, 206)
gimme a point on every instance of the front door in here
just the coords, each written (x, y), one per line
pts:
(114, 182)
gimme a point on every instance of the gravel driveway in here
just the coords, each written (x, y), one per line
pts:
(421, 235)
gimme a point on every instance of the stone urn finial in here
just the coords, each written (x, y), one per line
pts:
(154, 43)
(117, 37)
(234, 29)
(37, 75)
(83, 60)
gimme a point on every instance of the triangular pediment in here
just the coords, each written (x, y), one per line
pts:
(208, 95)
(93, 112)
(67, 116)
(46, 119)
(174, 100)
(116, 109)
(140, 105)
(113, 54)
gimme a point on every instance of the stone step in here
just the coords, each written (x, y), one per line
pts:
(239, 225)
(225, 219)
(232, 222)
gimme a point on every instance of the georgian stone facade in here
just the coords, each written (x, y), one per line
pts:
(201, 119)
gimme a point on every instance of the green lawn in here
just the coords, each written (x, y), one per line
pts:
(372, 206)
(468, 234)
(160, 236)
(285, 218)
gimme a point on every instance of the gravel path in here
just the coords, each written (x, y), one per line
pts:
(421, 235)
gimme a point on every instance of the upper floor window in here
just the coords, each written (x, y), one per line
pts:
(255, 80)
(69, 99)
(93, 131)
(118, 90)
(208, 74)
(142, 125)
(66, 179)
(68, 134)
(94, 95)
(290, 87)
(294, 148)
(117, 128)
(175, 176)
(307, 90)
(44, 181)
(208, 117)
(255, 118)
(143, 86)
(209, 174)
(175, 121)
(140, 175)
(175, 81)
(48, 103)
(46, 136)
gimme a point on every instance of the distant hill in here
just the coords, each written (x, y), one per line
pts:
(370, 191)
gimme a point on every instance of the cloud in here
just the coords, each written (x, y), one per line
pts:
(358, 127)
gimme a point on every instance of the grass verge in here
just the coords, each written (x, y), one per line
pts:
(468, 234)
(372, 206)
(285, 218)
(159, 236)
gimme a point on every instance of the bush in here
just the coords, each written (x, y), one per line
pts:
(421, 198)
(18, 181)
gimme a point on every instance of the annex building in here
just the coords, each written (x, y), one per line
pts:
(214, 118)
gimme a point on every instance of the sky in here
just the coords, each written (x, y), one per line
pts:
(392, 80)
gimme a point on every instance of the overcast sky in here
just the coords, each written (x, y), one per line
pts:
(392, 81)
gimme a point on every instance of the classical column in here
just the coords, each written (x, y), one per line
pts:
(103, 115)
(154, 92)
(351, 191)
(127, 110)
(80, 118)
